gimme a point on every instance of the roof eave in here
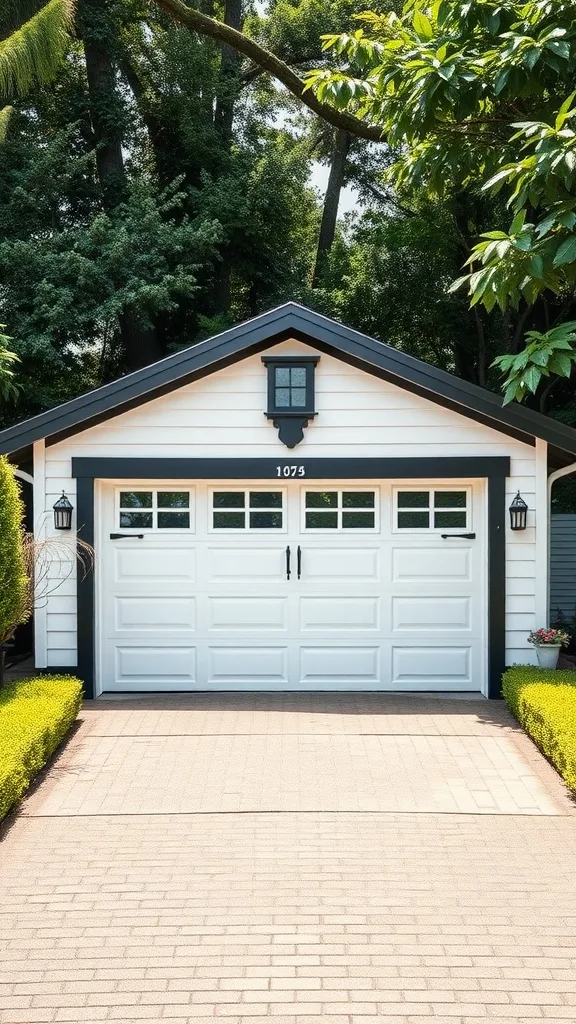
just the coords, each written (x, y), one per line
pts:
(268, 329)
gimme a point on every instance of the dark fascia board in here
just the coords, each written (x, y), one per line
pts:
(289, 320)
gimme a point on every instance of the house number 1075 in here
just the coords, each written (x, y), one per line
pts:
(290, 471)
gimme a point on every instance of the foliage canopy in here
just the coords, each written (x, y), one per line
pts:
(478, 96)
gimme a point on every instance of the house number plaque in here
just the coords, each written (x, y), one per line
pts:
(290, 471)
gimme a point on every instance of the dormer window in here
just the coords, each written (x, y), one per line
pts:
(290, 395)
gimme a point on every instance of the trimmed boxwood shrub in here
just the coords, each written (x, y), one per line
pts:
(14, 606)
(35, 715)
(544, 702)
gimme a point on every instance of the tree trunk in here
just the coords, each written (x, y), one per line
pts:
(229, 66)
(331, 203)
(106, 109)
(152, 123)
(141, 343)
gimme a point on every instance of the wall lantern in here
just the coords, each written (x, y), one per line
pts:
(518, 513)
(63, 513)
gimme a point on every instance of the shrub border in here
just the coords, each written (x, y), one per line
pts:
(36, 715)
(544, 702)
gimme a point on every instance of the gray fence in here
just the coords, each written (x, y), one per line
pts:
(563, 565)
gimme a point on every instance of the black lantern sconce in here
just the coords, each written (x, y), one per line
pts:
(518, 513)
(63, 513)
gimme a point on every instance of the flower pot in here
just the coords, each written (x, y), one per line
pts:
(548, 655)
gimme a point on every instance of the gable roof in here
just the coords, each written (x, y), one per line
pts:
(290, 320)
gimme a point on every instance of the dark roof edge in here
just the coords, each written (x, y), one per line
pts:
(237, 342)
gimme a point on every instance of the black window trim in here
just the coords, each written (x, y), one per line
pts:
(290, 422)
(272, 363)
(431, 508)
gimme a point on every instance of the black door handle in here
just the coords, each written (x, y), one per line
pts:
(288, 562)
(457, 536)
(135, 536)
(299, 561)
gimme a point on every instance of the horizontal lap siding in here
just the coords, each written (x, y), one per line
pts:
(359, 416)
(563, 564)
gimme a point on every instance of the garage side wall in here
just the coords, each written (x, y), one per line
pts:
(359, 416)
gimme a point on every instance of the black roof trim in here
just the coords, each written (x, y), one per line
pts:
(289, 320)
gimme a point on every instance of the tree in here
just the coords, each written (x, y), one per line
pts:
(8, 389)
(388, 275)
(478, 96)
(206, 25)
(129, 195)
(33, 39)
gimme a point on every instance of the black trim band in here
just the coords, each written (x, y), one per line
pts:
(494, 469)
(315, 469)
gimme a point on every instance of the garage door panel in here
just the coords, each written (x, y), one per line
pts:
(440, 667)
(246, 562)
(380, 609)
(432, 563)
(143, 562)
(141, 666)
(241, 664)
(329, 563)
(352, 614)
(160, 613)
(434, 613)
(242, 612)
(323, 664)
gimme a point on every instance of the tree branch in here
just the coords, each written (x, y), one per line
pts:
(206, 26)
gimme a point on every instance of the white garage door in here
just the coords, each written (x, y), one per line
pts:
(328, 586)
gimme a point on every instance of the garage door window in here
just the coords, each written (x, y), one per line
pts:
(247, 510)
(431, 509)
(340, 510)
(154, 510)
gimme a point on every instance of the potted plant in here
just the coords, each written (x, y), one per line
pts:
(548, 642)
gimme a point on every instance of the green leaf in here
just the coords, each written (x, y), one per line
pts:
(518, 222)
(422, 25)
(501, 79)
(564, 111)
(458, 283)
(559, 47)
(535, 266)
(566, 252)
(532, 378)
(513, 392)
(563, 364)
(540, 357)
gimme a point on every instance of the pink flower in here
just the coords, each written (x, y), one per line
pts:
(548, 636)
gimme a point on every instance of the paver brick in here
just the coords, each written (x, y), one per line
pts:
(306, 909)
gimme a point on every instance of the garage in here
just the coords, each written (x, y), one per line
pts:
(334, 585)
(291, 505)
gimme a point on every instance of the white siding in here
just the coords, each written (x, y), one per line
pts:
(359, 416)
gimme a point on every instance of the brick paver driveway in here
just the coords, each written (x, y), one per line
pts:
(316, 858)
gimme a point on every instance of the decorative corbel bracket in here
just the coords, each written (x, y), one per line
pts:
(290, 427)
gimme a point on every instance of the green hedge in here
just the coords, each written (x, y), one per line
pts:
(544, 702)
(14, 596)
(35, 715)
